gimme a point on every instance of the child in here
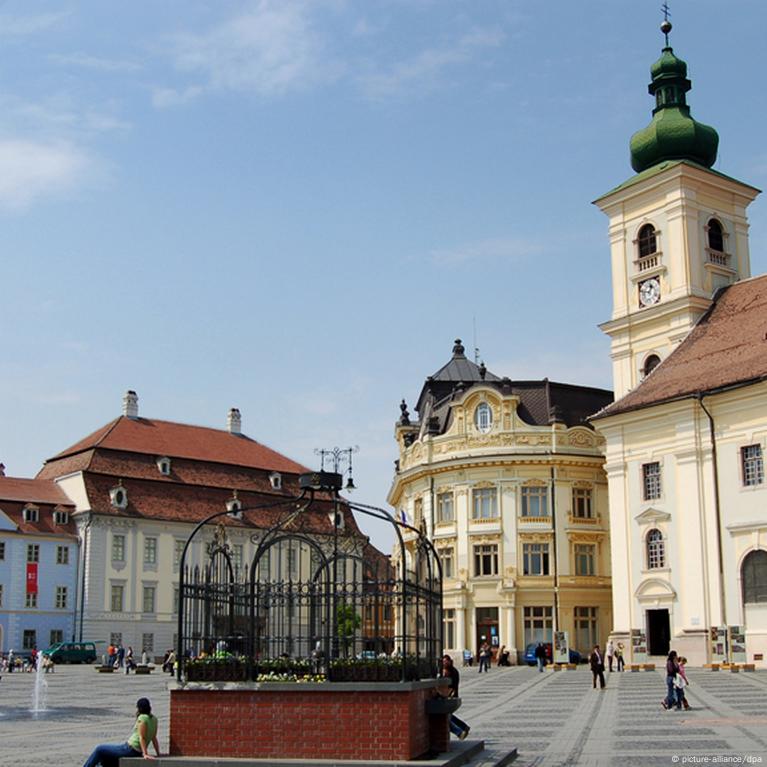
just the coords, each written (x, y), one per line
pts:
(680, 683)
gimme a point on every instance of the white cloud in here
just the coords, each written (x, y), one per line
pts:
(427, 68)
(30, 170)
(499, 247)
(22, 26)
(269, 51)
(87, 61)
(163, 98)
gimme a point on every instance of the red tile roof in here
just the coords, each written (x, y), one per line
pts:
(726, 348)
(177, 440)
(32, 491)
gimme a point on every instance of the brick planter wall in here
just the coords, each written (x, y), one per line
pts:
(320, 721)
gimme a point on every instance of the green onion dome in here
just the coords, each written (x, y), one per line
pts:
(672, 134)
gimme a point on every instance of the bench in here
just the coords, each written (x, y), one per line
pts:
(749, 667)
(142, 669)
(712, 666)
(105, 669)
(648, 666)
(635, 666)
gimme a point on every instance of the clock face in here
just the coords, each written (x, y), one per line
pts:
(649, 292)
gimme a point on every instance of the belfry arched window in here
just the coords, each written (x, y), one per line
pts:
(754, 577)
(656, 550)
(715, 236)
(650, 364)
(647, 241)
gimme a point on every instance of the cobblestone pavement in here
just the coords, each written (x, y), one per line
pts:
(556, 719)
(553, 719)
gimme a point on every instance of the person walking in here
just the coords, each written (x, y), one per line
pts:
(619, 657)
(484, 657)
(129, 662)
(540, 656)
(680, 683)
(597, 663)
(672, 669)
(610, 653)
(137, 745)
(458, 727)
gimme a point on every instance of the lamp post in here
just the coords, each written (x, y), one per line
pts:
(339, 462)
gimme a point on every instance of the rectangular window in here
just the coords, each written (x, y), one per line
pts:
(753, 465)
(176, 596)
(535, 558)
(33, 552)
(446, 559)
(150, 551)
(147, 644)
(237, 555)
(417, 512)
(149, 599)
(292, 562)
(486, 559)
(118, 548)
(1, 594)
(60, 517)
(582, 503)
(535, 501)
(585, 558)
(28, 639)
(31, 514)
(62, 555)
(178, 550)
(539, 624)
(369, 613)
(118, 592)
(57, 635)
(2, 550)
(651, 480)
(484, 503)
(448, 619)
(586, 634)
(387, 613)
(61, 597)
(445, 507)
(116, 638)
(30, 601)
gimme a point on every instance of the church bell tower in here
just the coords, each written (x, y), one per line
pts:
(678, 229)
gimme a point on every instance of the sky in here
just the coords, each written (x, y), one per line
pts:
(294, 208)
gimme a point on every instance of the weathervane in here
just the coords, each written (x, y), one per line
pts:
(665, 27)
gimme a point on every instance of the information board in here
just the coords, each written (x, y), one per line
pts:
(638, 646)
(737, 644)
(718, 641)
(561, 647)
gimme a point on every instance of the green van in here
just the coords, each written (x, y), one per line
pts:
(72, 652)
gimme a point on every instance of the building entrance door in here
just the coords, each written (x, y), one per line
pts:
(487, 628)
(658, 632)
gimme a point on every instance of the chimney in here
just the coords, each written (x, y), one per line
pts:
(130, 404)
(234, 421)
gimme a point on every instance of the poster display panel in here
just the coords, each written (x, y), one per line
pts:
(718, 642)
(638, 646)
(737, 644)
(561, 647)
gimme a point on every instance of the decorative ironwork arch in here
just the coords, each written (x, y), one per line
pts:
(314, 600)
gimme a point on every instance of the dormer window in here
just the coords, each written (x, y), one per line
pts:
(647, 241)
(275, 478)
(650, 364)
(31, 513)
(715, 236)
(483, 417)
(337, 519)
(234, 507)
(118, 497)
(60, 516)
(163, 466)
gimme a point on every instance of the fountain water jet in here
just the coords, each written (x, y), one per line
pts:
(41, 687)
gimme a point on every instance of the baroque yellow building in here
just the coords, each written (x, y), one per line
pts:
(506, 478)
(686, 437)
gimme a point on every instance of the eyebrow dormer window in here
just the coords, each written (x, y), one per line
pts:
(163, 465)
(483, 417)
(647, 241)
(650, 364)
(234, 507)
(118, 497)
(275, 478)
(715, 236)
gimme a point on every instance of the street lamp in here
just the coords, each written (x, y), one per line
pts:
(336, 458)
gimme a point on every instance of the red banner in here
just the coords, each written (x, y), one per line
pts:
(32, 578)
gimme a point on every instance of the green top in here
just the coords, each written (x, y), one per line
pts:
(673, 134)
(134, 741)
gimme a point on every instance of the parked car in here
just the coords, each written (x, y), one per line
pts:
(529, 656)
(72, 652)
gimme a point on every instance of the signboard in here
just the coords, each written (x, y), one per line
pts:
(638, 646)
(561, 647)
(718, 643)
(31, 577)
(737, 644)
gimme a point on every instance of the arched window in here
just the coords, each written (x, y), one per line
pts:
(647, 241)
(754, 577)
(650, 364)
(715, 236)
(656, 550)
(483, 417)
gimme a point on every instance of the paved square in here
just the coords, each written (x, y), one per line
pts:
(553, 719)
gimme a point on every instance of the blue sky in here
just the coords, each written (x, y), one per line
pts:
(295, 207)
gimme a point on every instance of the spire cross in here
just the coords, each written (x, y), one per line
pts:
(666, 11)
(666, 25)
